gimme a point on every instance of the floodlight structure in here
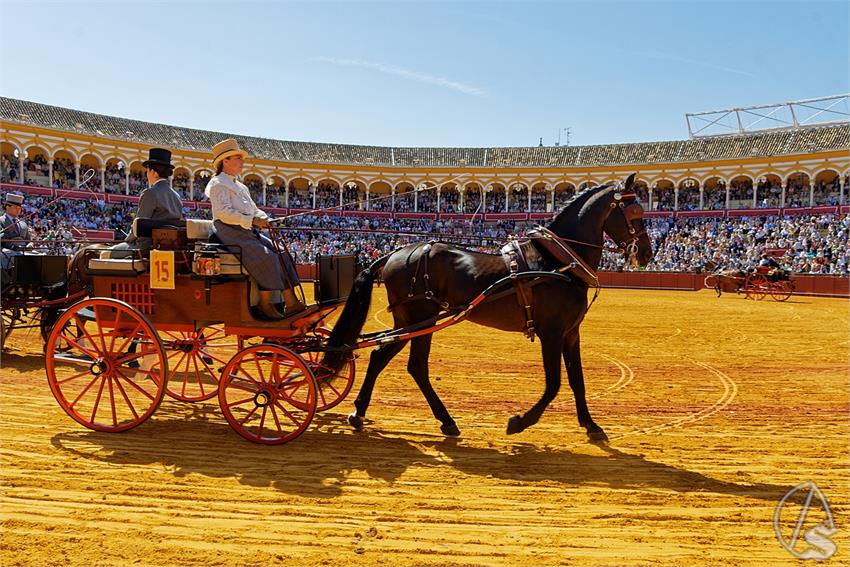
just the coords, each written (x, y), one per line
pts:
(782, 116)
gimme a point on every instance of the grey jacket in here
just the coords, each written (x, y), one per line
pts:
(159, 202)
(12, 228)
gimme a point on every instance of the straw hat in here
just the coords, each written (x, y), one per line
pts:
(226, 149)
(13, 199)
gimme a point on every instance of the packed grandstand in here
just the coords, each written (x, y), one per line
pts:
(718, 200)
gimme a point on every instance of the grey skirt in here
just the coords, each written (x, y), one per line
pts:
(272, 271)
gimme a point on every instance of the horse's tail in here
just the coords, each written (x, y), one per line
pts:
(353, 316)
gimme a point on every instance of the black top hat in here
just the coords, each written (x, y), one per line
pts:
(158, 156)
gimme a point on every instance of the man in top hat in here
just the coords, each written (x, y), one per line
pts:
(12, 228)
(159, 201)
(238, 220)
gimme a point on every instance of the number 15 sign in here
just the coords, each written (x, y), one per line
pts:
(162, 269)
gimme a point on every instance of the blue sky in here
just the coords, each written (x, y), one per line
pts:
(423, 73)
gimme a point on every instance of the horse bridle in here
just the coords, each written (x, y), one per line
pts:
(631, 213)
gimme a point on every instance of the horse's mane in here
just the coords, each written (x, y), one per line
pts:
(575, 204)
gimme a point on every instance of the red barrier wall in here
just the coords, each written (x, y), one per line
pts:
(810, 284)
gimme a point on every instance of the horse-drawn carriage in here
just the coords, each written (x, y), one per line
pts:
(766, 280)
(32, 290)
(180, 323)
(758, 282)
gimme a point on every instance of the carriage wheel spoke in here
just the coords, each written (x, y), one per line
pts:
(126, 398)
(240, 402)
(97, 399)
(248, 415)
(113, 334)
(94, 352)
(207, 366)
(259, 369)
(277, 424)
(245, 376)
(330, 385)
(129, 338)
(242, 387)
(287, 413)
(112, 402)
(148, 350)
(136, 386)
(83, 393)
(74, 377)
(100, 327)
(73, 343)
(262, 421)
(198, 375)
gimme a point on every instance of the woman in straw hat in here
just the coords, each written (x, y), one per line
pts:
(238, 222)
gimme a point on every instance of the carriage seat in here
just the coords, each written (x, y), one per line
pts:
(199, 229)
(202, 232)
(117, 266)
(143, 228)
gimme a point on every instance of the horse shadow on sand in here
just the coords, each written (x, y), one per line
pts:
(184, 440)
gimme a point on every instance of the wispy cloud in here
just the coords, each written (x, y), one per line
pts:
(404, 73)
(672, 57)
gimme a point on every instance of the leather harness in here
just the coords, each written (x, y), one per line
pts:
(523, 255)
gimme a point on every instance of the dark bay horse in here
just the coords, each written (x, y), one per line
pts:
(726, 278)
(454, 277)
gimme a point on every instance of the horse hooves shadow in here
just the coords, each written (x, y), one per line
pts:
(450, 430)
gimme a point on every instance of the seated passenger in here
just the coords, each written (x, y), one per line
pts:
(159, 202)
(768, 261)
(238, 222)
(12, 228)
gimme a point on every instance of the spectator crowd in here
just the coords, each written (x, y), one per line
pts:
(814, 244)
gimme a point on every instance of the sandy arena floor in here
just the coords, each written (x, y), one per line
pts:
(715, 408)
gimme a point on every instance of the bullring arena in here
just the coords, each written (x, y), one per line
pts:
(715, 406)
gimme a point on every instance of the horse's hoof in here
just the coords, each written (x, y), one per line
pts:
(597, 436)
(515, 425)
(450, 430)
(355, 421)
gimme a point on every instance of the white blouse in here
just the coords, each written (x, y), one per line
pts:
(231, 201)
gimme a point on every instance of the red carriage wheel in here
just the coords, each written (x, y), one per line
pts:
(333, 386)
(105, 365)
(195, 361)
(6, 324)
(268, 394)
(756, 286)
(782, 290)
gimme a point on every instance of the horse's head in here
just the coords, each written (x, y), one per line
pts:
(624, 224)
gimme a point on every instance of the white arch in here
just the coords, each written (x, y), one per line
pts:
(793, 172)
(71, 151)
(96, 156)
(658, 180)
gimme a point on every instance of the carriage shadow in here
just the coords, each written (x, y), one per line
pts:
(197, 440)
(22, 362)
(320, 462)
